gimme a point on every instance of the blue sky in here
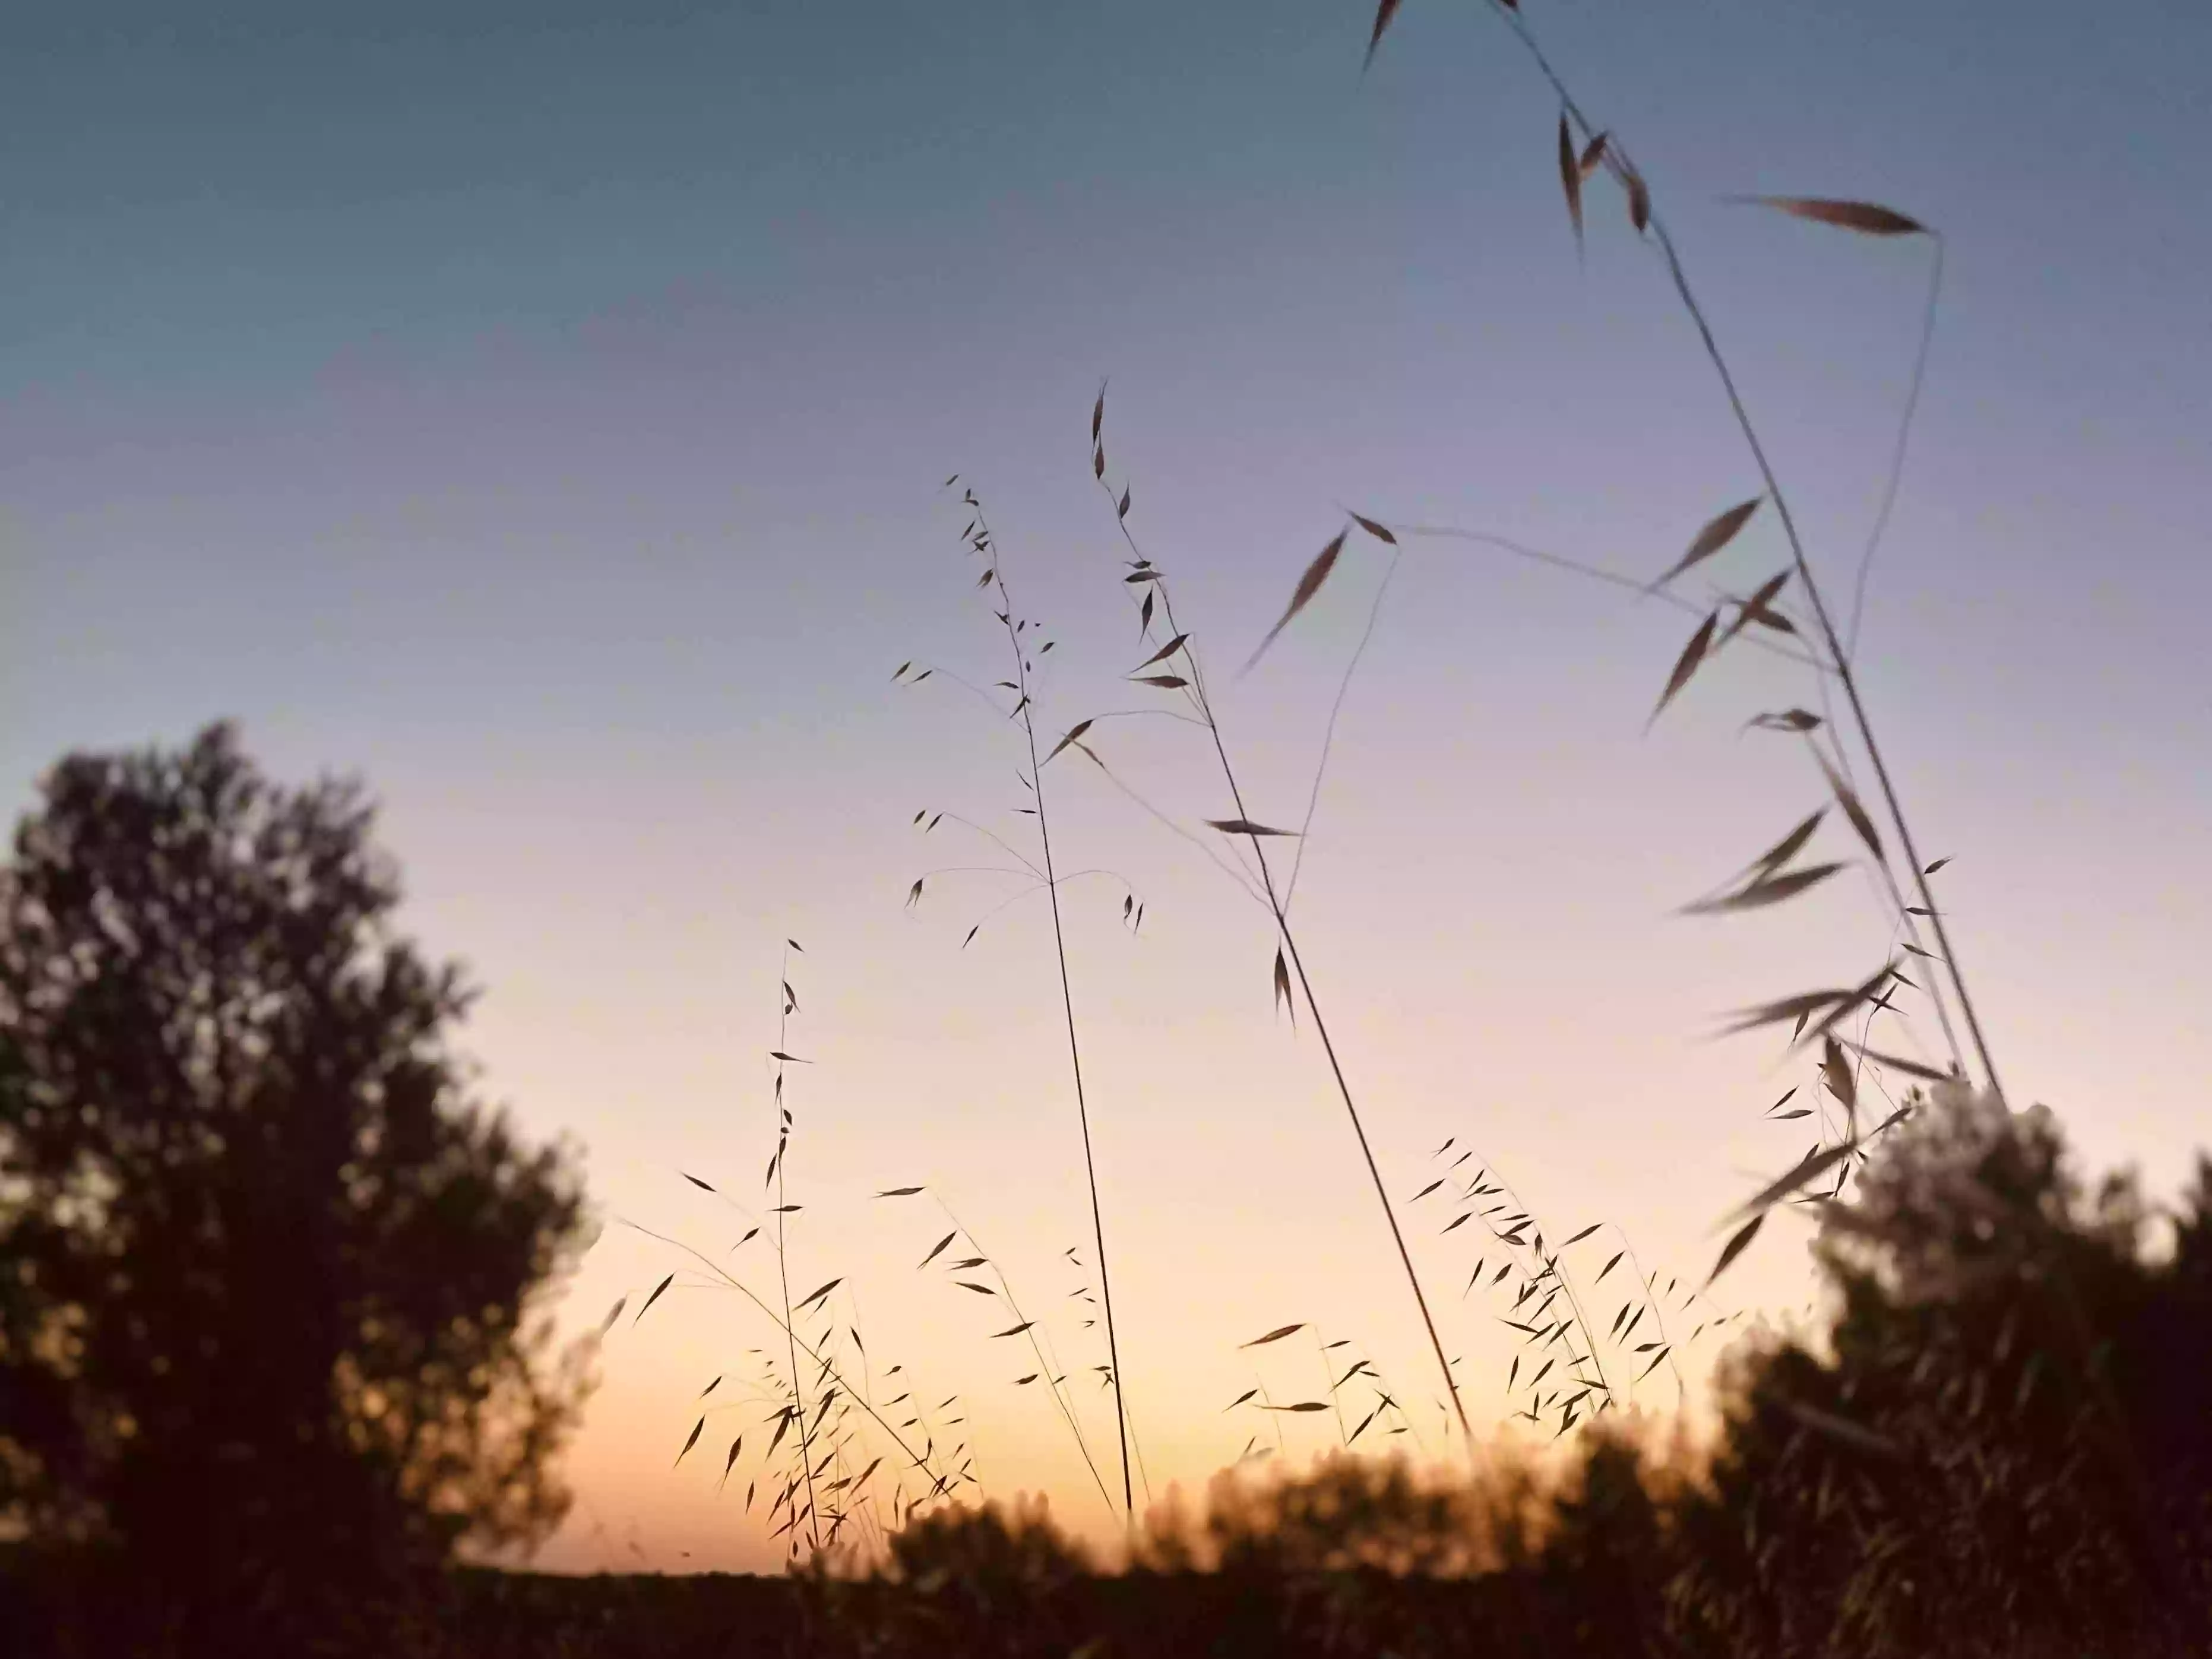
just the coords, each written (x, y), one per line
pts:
(541, 409)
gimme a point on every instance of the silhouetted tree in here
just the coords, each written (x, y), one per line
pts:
(265, 1263)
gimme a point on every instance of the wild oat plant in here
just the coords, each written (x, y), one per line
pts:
(817, 1402)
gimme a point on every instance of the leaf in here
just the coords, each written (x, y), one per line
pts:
(1716, 534)
(979, 1289)
(1458, 1221)
(1244, 827)
(1787, 849)
(900, 672)
(693, 1441)
(1073, 733)
(1772, 891)
(1801, 1007)
(695, 1182)
(1015, 1330)
(1425, 1191)
(1789, 720)
(1608, 1266)
(1754, 609)
(736, 1446)
(1162, 654)
(1852, 999)
(654, 1298)
(938, 1249)
(1897, 1063)
(1852, 808)
(1165, 682)
(1794, 1112)
(1381, 533)
(1583, 1235)
(1302, 1406)
(1934, 867)
(1657, 1360)
(1840, 1428)
(1383, 13)
(1240, 1400)
(1836, 1071)
(1686, 664)
(819, 1294)
(1145, 613)
(1308, 585)
(709, 1389)
(898, 1191)
(1811, 1164)
(1275, 1335)
(1865, 217)
(1571, 179)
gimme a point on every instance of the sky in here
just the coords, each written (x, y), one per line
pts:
(541, 411)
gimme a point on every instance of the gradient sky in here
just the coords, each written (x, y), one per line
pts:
(543, 416)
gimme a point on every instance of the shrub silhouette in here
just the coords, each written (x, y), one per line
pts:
(1998, 1446)
(2001, 1446)
(263, 1338)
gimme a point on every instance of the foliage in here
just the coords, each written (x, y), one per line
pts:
(264, 1319)
(2004, 1443)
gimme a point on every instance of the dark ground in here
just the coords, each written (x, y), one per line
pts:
(485, 1614)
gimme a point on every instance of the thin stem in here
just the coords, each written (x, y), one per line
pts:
(1327, 1374)
(1328, 732)
(1896, 474)
(1027, 709)
(1050, 1370)
(782, 1262)
(1243, 880)
(1205, 706)
(1611, 579)
(1658, 1312)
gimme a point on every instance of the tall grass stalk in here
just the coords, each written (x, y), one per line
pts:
(787, 1005)
(981, 541)
(1615, 159)
(1180, 648)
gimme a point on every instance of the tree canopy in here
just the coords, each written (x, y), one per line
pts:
(267, 1263)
